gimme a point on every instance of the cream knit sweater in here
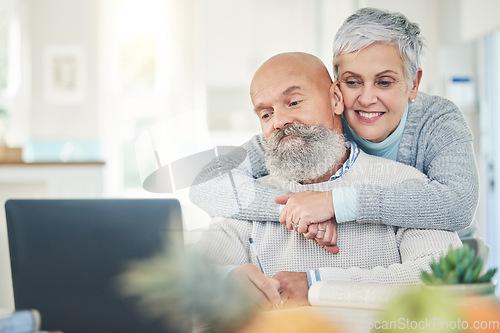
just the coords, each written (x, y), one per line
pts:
(369, 252)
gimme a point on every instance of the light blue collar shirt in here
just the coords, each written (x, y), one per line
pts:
(345, 200)
(388, 148)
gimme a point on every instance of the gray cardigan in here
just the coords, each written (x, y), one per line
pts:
(436, 141)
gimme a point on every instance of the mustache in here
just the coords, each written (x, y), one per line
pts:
(295, 129)
(310, 153)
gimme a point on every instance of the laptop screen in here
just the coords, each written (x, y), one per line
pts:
(66, 256)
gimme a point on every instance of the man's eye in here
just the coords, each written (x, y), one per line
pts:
(265, 116)
(294, 103)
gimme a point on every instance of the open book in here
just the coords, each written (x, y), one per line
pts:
(353, 295)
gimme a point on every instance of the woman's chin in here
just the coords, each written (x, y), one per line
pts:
(369, 134)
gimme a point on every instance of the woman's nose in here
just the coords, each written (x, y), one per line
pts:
(368, 95)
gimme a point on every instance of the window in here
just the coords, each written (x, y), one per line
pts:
(489, 50)
(134, 61)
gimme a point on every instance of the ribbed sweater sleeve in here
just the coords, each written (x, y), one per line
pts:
(417, 248)
(438, 142)
(235, 193)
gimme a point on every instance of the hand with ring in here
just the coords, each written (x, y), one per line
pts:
(305, 208)
(293, 289)
(283, 300)
(325, 234)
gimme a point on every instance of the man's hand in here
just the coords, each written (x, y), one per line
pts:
(263, 289)
(325, 234)
(293, 288)
(305, 208)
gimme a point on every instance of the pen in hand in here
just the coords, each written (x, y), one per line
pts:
(254, 249)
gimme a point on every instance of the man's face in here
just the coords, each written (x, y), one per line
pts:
(287, 93)
(308, 155)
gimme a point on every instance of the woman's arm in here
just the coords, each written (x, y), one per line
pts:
(234, 192)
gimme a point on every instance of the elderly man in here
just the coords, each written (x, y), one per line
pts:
(299, 110)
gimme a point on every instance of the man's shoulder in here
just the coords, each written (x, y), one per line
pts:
(224, 222)
(369, 166)
(234, 227)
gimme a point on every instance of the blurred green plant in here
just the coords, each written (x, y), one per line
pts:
(459, 265)
(418, 310)
(182, 289)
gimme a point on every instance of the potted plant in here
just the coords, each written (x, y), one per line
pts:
(460, 270)
(456, 294)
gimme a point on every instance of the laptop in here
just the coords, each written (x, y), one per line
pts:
(66, 256)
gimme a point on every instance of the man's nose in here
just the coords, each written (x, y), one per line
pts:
(282, 119)
(368, 95)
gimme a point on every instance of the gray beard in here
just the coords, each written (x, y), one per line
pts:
(311, 153)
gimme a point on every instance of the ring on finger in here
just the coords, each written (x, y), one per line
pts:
(283, 301)
(296, 226)
(322, 229)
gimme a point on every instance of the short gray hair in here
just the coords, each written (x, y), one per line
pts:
(371, 25)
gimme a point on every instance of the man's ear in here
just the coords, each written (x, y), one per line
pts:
(336, 98)
(415, 84)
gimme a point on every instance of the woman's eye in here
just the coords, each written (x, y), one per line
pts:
(384, 83)
(352, 83)
(294, 103)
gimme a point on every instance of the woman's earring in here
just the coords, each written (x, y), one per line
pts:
(412, 100)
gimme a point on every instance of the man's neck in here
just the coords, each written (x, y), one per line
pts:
(326, 177)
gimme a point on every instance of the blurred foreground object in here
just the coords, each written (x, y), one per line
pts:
(437, 309)
(456, 297)
(21, 321)
(186, 292)
(299, 320)
(418, 310)
(459, 265)
(182, 290)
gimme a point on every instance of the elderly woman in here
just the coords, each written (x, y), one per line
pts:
(377, 62)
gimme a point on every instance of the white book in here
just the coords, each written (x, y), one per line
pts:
(352, 295)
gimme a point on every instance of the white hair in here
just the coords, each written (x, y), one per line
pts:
(371, 25)
(308, 155)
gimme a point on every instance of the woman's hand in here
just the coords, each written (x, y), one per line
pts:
(325, 234)
(312, 214)
(305, 208)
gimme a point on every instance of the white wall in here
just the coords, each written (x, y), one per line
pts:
(238, 36)
(478, 17)
(57, 23)
(225, 41)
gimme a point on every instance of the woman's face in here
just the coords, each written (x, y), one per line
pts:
(375, 90)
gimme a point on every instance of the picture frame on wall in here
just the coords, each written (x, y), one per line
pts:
(64, 74)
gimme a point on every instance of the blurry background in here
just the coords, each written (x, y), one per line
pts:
(81, 80)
